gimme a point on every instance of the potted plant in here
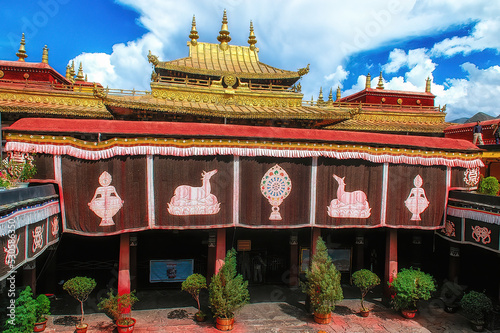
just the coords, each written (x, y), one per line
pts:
(489, 186)
(114, 306)
(5, 180)
(410, 286)
(193, 285)
(365, 280)
(227, 293)
(41, 312)
(19, 168)
(24, 317)
(322, 284)
(80, 288)
(476, 305)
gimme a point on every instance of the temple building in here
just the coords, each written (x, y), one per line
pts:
(224, 152)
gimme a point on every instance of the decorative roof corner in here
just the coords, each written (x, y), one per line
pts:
(303, 71)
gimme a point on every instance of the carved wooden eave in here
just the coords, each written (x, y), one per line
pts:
(17, 101)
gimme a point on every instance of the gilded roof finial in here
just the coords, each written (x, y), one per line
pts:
(428, 85)
(22, 51)
(252, 40)
(45, 55)
(79, 76)
(368, 81)
(72, 70)
(320, 97)
(330, 96)
(194, 34)
(380, 84)
(223, 37)
(86, 80)
(68, 72)
(338, 94)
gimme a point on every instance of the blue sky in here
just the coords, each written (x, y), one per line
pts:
(455, 42)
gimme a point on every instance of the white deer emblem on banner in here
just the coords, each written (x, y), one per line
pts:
(349, 204)
(189, 200)
(106, 202)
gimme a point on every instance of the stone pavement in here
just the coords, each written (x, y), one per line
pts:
(285, 314)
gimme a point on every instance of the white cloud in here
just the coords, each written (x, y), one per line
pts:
(418, 62)
(338, 76)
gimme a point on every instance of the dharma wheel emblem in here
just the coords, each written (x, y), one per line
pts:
(417, 201)
(106, 202)
(275, 187)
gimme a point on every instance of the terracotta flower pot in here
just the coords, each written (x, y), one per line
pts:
(40, 327)
(81, 328)
(364, 313)
(125, 327)
(409, 314)
(322, 318)
(224, 324)
(200, 317)
(477, 326)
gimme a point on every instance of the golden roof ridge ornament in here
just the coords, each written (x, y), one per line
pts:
(252, 40)
(153, 59)
(338, 94)
(428, 85)
(303, 71)
(320, 97)
(80, 76)
(368, 83)
(68, 72)
(223, 37)
(330, 95)
(380, 84)
(45, 55)
(22, 51)
(193, 33)
(72, 70)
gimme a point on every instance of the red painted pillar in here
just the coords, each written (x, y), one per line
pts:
(391, 258)
(315, 234)
(124, 265)
(294, 261)
(220, 250)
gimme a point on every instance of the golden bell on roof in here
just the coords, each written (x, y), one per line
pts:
(194, 33)
(22, 51)
(368, 83)
(338, 94)
(380, 84)
(428, 85)
(223, 37)
(80, 76)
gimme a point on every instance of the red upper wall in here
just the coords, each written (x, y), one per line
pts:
(31, 72)
(391, 97)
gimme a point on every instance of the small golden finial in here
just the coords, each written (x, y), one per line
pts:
(68, 72)
(45, 55)
(320, 97)
(330, 96)
(368, 81)
(338, 94)
(79, 76)
(22, 51)
(72, 72)
(380, 84)
(223, 37)
(252, 40)
(86, 80)
(428, 85)
(194, 34)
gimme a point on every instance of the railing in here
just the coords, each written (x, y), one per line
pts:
(367, 106)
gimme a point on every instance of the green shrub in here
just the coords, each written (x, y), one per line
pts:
(323, 281)
(489, 185)
(80, 288)
(113, 304)
(193, 285)
(365, 280)
(476, 305)
(25, 307)
(410, 286)
(42, 308)
(227, 291)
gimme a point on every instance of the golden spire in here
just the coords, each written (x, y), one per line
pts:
(68, 72)
(45, 55)
(252, 40)
(22, 51)
(320, 97)
(428, 85)
(223, 37)
(330, 96)
(72, 70)
(86, 80)
(79, 76)
(194, 34)
(380, 84)
(338, 94)
(368, 81)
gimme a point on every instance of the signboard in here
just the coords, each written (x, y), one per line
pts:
(170, 270)
(244, 245)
